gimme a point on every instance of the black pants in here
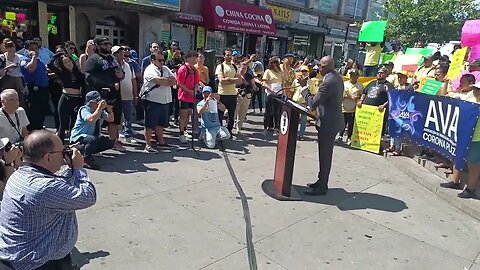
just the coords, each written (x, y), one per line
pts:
(349, 121)
(258, 96)
(94, 145)
(37, 106)
(55, 90)
(62, 264)
(326, 141)
(175, 105)
(67, 109)
(230, 103)
(271, 119)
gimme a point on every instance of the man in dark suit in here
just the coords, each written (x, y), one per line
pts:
(328, 103)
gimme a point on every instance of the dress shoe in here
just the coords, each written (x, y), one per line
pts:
(317, 192)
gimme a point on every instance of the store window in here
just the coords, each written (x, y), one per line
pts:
(356, 9)
(300, 45)
(15, 21)
(184, 34)
(376, 11)
(327, 6)
(219, 41)
(327, 48)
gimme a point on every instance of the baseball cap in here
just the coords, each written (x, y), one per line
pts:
(354, 72)
(403, 72)
(207, 89)
(3, 142)
(304, 68)
(134, 55)
(100, 40)
(428, 57)
(235, 53)
(389, 63)
(93, 96)
(288, 55)
(116, 49)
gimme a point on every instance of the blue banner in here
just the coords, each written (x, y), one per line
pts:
(442, 124)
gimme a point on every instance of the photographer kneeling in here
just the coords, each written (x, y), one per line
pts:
(210, 124)
(87, 129)
(38, 222)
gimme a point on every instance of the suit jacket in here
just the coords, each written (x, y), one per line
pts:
(328, 103)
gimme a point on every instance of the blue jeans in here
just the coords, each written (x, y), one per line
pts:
(370, 71)
(127, 107)
(93, 145)
(303, 124)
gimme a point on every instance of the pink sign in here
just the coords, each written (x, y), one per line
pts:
(471, 33)
(21, 17)
(227, 15)
(474, 53)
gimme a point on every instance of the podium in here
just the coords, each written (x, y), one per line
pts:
(281, 186)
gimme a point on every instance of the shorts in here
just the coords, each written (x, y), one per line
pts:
(156, 114)
(117, 112)
(473, 155)
(186, 105)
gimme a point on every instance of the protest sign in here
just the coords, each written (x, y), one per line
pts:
(431, 87)
(372, 31)
(456, 65)
(388, 57)
(406, 62)
(471, 33)
(422, 51)
(442, 124)
(367, 129)
(474, 53)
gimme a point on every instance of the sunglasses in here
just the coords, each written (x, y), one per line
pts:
(304, 70)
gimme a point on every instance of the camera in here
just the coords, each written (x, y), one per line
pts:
(247, 91)
(107, 95)
(10, 145)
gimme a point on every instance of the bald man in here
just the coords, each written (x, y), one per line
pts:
(38, 225)
(328, 103)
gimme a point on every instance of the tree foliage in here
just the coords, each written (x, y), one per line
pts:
(428, 20)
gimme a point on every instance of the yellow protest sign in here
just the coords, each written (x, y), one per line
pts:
(456, 66)
(12, 16)
(367, 130)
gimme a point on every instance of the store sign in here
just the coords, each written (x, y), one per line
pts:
(174, 4)
(190, 18)
(201, 37)
(242, 18)
(308, 19)
(281, 14)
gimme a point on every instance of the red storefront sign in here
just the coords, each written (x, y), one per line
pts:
(235, 17)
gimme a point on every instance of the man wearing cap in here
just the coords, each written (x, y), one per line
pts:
(346, 67)
(352, 92)
(426, 70)
(227, 74)
(87, 128)
(375, 93)
(104, 75)
(128, 93)
(208, 108)
(36, 79)
(402, 78)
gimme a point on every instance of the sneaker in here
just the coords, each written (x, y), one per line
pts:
(467, 194)
(183, 139)
(239, 132)
(149, 149)
(349, 141)
(165, 146)
(339, 140)
(275, 132)
(188, 136)
(119, 147)
(451, 185)
(131, 140)
(91, 164)
(264, 132)
(121, 136)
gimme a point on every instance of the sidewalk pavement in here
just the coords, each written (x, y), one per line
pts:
(174, 210)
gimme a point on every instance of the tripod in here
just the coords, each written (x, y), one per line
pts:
(192, 146)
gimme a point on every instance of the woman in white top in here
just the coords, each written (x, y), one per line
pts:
(273, 85)
(89, 50)
(12, 75)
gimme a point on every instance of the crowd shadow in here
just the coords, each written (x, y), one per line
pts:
(80, 259)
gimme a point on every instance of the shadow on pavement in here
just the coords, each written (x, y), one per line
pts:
(80, 259)
(346, 201)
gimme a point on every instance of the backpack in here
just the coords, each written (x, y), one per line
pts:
(223, 72)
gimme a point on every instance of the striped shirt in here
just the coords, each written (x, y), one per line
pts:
(37, 216)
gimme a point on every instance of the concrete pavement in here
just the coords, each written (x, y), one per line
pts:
(174, 210)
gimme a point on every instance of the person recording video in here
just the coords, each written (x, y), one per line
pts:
(38, 222)
(13, 119)
(87, 128)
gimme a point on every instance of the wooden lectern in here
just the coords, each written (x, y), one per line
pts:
(281, 187)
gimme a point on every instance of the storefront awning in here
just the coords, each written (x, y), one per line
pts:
(305, 28)
(231, 16)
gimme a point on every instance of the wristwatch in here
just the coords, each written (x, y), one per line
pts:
(11, 164)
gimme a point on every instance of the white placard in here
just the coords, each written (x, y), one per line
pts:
(212, 106)
(276, 87)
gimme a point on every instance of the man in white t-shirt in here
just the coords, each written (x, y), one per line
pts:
(128, 91)
(13, 119)
(157, 93)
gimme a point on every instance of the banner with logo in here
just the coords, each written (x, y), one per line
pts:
(367, 129)
(442, 124)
